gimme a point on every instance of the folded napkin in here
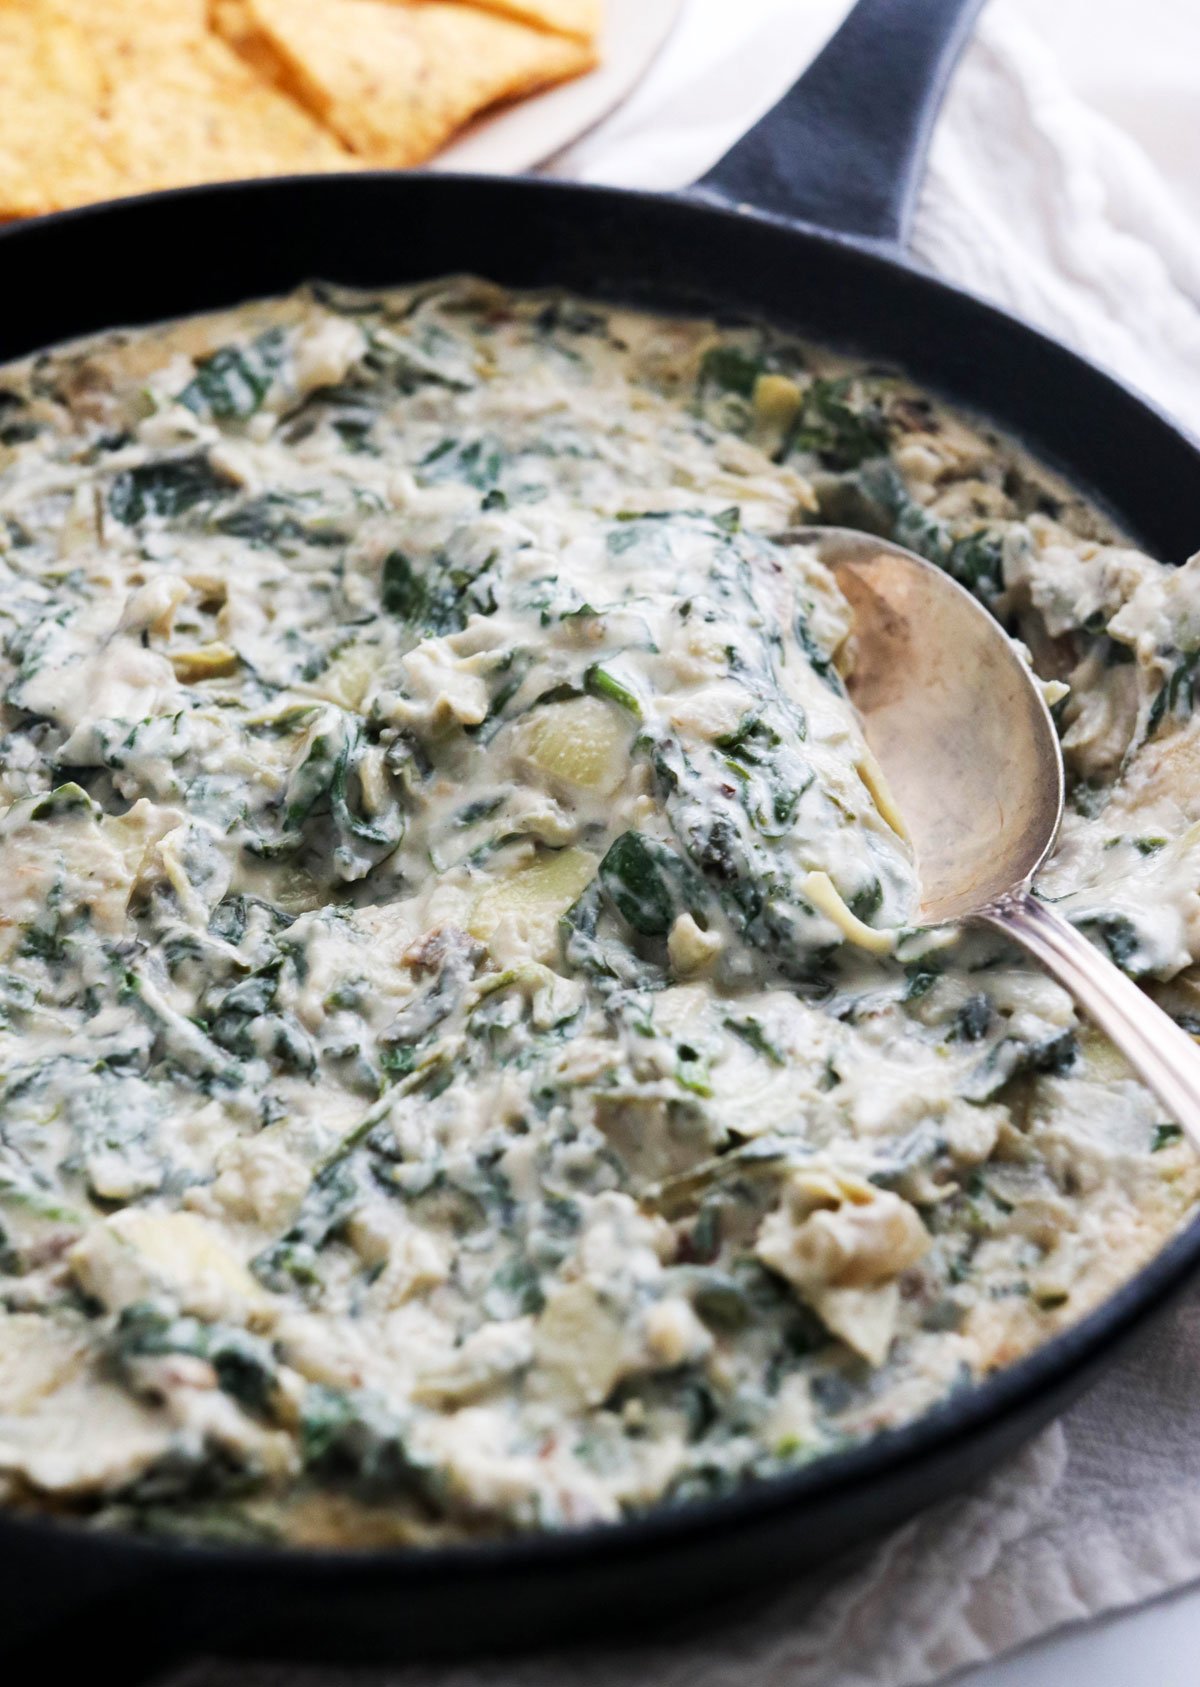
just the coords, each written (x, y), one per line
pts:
(1040, 202)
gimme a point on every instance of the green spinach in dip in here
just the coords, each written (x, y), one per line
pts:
(466, 1060)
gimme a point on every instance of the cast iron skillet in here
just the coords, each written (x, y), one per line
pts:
(833, 169)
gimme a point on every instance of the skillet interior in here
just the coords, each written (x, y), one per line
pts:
(138, 261)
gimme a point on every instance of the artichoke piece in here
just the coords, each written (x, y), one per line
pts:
(873, 777)
(582, 741)
(534, 898)
(776, 400)
(208, 661)
(825, 897)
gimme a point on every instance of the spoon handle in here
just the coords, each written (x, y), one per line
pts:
(1164, 1057)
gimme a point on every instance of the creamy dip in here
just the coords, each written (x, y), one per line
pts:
(467, 1061)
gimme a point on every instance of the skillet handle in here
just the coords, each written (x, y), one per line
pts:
(844, 149)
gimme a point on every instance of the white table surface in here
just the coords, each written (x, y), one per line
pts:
(1156, 1645)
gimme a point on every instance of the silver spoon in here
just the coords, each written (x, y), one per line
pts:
(966, 743)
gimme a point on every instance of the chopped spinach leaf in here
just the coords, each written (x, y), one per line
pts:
(232, 383)
(167, 487)
(644, 881)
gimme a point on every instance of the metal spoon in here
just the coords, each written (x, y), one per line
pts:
(965, 739)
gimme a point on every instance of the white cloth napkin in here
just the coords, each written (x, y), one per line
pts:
(1042, 203)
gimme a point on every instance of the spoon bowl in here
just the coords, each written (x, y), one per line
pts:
(956, 719)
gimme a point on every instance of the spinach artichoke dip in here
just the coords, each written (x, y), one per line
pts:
(468, 1061)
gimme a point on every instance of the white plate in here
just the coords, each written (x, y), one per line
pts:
(519, 136)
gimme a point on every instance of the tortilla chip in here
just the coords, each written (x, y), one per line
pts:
(396, 80)
(133, 29)
(231, 20)
(204, 116)
(181, 106)
(108, 97)
(581, 18)
(36, 37)
(100, 98)
(50, 153)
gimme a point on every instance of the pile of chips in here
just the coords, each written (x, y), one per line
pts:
(100, 98)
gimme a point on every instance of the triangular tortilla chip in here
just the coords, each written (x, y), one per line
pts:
(100, 98)
(182, 107)
(231, 20)
(202, 115)
(581, 18)
(132, 29)
(50, 85)
(395, 80)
